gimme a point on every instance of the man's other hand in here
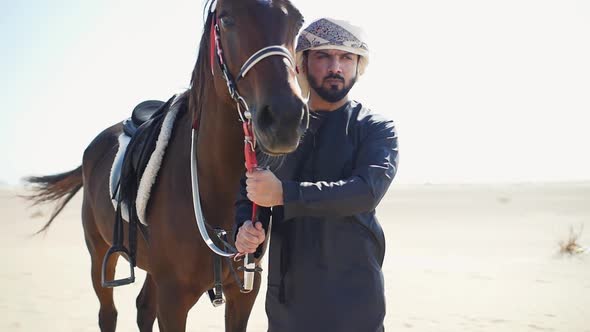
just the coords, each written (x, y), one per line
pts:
(249, 237)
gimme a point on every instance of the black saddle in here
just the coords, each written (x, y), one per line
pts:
(141, 114)
(143, 127)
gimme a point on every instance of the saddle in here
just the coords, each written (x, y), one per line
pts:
(142, 147)
(143, 128)
(141, 114)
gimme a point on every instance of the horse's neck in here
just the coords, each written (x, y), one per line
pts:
(220, 153)
(220, 134)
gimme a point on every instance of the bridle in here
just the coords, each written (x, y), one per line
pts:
(217, 55)
(255, 58)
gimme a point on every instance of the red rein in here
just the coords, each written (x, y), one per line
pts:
(250, 156)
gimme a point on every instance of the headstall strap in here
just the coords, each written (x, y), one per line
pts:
(215, 49)
(212, 39)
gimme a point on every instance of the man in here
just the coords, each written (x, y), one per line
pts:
(327, 246)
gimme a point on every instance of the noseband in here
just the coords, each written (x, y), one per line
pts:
(249, 142)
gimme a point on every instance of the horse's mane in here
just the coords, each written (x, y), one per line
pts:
(203, 65)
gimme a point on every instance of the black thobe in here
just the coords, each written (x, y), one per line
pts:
(327, 247)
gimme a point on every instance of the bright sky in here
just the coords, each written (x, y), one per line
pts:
(481, 91)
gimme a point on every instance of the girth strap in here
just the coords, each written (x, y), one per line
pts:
(216, 293)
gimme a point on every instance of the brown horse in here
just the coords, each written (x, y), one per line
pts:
(178, 263)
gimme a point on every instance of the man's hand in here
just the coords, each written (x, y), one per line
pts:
(249, 237)
(264, 188)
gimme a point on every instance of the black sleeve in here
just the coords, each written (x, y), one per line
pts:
(375, 168)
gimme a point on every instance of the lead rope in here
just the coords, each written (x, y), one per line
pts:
(251, 164)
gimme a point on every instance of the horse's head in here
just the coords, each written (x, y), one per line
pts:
(256, 43)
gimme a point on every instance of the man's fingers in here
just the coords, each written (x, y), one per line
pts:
(255, 235)
(257, 231)
(251, 234)
(250, 229)
(249, 238)
(256, 239)
(257, 174)
(251, 188)
(245, 249)
(243, 246)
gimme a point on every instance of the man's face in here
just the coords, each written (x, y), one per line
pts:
(331, 73)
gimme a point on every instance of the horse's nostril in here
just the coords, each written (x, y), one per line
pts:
(265, 117)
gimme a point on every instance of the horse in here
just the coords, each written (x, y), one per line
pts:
(178, 262)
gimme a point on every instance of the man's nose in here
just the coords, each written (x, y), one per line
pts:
(335, 67)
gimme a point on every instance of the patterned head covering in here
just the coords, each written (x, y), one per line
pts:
(328, 33)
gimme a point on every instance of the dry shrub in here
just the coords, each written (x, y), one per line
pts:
(571, 246)
(36, 214)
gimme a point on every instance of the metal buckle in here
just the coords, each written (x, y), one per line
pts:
(242, 105)
(248, 141)
(217, 302)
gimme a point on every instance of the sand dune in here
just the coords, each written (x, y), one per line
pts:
(459, 258)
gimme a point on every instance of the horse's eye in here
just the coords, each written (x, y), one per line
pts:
(300, 24)
(227, 21)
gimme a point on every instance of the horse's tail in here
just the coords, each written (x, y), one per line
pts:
(58, 187)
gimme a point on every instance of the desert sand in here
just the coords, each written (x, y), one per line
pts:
(459, 258)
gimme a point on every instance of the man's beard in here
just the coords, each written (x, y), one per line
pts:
(331, 94)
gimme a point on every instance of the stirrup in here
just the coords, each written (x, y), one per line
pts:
(117, 282)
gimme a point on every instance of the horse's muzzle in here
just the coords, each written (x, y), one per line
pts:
(279, 126)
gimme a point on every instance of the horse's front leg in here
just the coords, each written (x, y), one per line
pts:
(238, 306)
(174, 300)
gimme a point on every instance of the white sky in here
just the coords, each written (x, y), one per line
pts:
(481, 91)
